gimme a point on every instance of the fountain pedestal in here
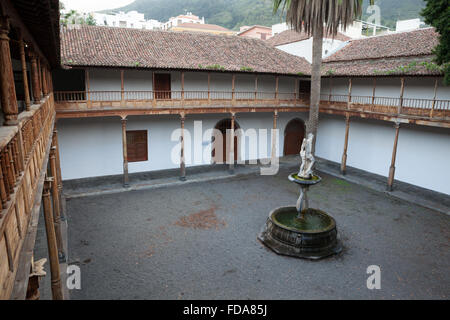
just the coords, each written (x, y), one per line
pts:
(301, 231)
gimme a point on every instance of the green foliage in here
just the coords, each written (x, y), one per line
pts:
(247, 69)
(437, 14)
(215, 67)
(74, 17)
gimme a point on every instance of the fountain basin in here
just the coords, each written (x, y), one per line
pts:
(314, 236)
(304, 182)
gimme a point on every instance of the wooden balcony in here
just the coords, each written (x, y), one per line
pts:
(71, 104)
(420, 111)
(24, 153)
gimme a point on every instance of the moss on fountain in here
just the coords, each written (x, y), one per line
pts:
(310, 220)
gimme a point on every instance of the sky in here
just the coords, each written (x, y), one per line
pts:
(91, 5)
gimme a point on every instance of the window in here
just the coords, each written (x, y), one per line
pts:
(137, 146)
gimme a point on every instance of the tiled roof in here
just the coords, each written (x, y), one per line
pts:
(290, 36)
(412, 43)
(124, 47)
(397, 66)
(406, 53)
(201, 26)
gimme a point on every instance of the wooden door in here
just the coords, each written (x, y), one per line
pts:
(222, 127)
(137, 146)
(162, 86)
(293, 137)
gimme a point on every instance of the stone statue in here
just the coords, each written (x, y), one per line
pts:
(307, 158)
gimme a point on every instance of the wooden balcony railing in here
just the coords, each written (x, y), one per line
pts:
(22, 156)
(431, 108)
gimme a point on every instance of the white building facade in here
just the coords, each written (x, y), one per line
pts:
(131, 19)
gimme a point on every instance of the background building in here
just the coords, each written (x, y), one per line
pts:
(257, 32)
(132, 19)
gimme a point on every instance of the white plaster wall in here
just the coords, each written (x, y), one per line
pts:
(370, 149)
(304, 48)
(101, 151)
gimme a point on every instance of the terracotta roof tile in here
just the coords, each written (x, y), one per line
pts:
(121, 47)
(413, 43)
(290, 36)
(201, 26)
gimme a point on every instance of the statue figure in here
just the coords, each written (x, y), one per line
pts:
(307, 158)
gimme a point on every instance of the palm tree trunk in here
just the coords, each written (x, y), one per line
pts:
(315, 84)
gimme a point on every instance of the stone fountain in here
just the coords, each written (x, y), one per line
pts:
(301, 231)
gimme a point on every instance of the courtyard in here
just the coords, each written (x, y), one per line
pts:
(199, 241)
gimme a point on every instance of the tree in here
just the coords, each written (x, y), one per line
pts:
(437, 14)
(314, 17)
(74, 17)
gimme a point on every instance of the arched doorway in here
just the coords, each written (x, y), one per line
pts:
(221, 153)
(293, 136)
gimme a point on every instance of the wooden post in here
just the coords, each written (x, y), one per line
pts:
(122, 88)
(373, 90)
(35, 79)
(23, 61)
(125, 153)
(402, 90)
(233, 88)
(434, 97)
(153, 89)
(344, 155)
(349, 101)
(256, 87)
(7, 87)
(231, 144)
(51, 243)
(88, 87)
(44, 80)
(274, 136)
(394, 155)
(277, 80)
(56, 203)
(182, 86)
(58, 160)
(209, 86)
(41, 93)
(331, 89)
(182, 157)
(297, 89)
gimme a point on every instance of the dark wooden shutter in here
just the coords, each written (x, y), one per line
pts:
(162, 86)
(137, 146)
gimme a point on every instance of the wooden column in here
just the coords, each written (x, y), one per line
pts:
(331, 89)
(402, 90)
(56, 203)
(51, 242)
(125, 153)
(7, 87)
(153, 89)
(88, 87)
(209, 86)
(349, 101)
(277, 80)
(41, 93)
(434, 97)
(274, 136)
(182, 85)
(44, 80)
(297, 89)
(231, 144)
(35, 79)
(373, 90)
(256, 87)
(122, 88)
(344, 155)
(23, 61)
(58, 160)
(233, 87)
(182, 157)
(394, 155)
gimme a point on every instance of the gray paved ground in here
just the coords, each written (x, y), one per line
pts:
(140, 244)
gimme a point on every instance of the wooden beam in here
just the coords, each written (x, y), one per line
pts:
(344, 155)
(394, 155)
(182, 155)
(7, 87)
(125, 153)
(51, 243)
